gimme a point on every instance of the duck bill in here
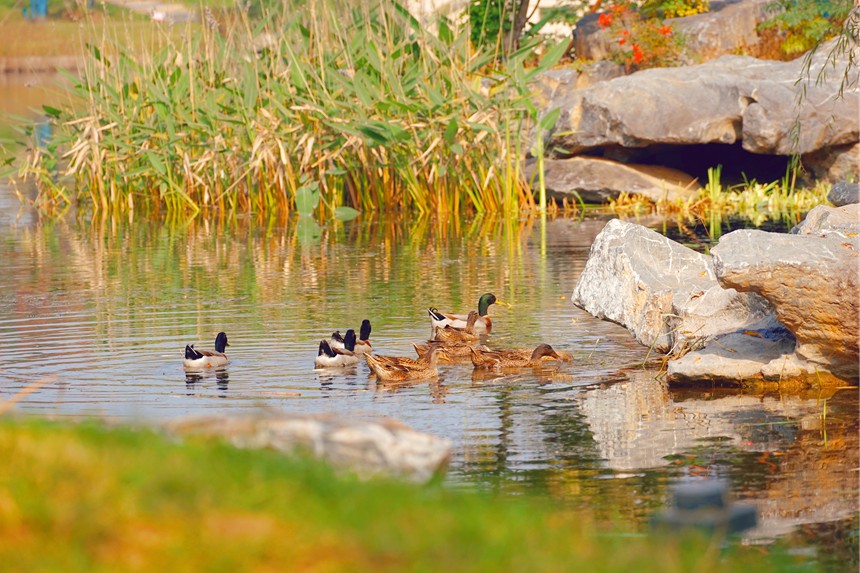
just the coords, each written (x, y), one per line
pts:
(503, 303)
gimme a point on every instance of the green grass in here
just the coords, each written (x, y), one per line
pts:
(84, 497)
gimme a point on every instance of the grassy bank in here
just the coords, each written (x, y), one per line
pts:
(88, 498)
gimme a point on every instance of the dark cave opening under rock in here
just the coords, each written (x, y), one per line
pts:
(738, 165)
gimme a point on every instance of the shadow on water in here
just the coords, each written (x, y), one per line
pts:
(107, 307)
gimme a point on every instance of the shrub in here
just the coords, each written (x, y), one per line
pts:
(806, 23)
(641, 43)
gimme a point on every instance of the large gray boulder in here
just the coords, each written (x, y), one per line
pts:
(729, 100)
(596, 180)
(665, 294)
(813, 283)
(363, 447)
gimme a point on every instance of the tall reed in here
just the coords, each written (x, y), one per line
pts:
(326, 106)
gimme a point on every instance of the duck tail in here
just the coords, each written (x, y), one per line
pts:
(364, 332)
(326, 349)
(191, 354)
(435, 314)
(349, 340)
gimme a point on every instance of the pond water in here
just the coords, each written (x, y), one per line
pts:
(100, 311)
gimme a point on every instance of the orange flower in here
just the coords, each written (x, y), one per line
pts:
(604, 20)
(665, 30)
(638, 56)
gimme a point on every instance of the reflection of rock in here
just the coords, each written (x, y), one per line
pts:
(636, 424)
(810, 460)
(365, 447)
(812, 282)
(594, 180)
(666, 294)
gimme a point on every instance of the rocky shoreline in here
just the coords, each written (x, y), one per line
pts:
(762, 307)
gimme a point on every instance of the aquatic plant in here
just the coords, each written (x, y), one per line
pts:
(329, 107)
(751, 200)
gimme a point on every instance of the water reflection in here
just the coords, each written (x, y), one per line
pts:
(107, 306)
(194, 377)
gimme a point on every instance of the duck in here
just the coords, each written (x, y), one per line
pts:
(362, 344)
(512, 358)
(328, 357)
(398, 368)
(454, 351)
(197, 359)
(482, 326)
(450, 333)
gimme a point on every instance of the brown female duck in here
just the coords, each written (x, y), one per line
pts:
(512, 358)
(398, 368)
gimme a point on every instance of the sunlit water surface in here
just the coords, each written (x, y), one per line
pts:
(99, 313)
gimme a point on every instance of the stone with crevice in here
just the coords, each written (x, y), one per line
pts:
(813, 283)
(665, 294)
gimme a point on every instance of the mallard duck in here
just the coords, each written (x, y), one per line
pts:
(362, 345)
(454, 351)
(328, 357)
(197, 359)
(482, 326)
(398, 368)
(512, 358)
(450, 333)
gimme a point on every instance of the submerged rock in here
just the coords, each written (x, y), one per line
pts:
(813, 282)
(382, 446)
(665, 294)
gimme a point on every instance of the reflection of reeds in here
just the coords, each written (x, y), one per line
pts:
(778, 201)
(327, 106)
(162, 276)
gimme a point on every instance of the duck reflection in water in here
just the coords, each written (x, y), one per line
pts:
(222, 380)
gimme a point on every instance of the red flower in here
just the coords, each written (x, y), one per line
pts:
(621, 41)
(604, 20)
(665, 30)
(638, 56)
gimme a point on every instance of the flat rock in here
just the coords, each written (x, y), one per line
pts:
(594, 180)
(844, 193)
(743, 358)
(364, 447)
(824, 220)
(813, 283)
(665, 294)
(729, 100)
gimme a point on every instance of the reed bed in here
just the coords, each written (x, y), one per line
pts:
(326, 106)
